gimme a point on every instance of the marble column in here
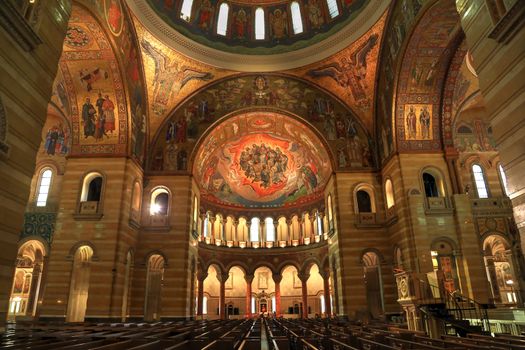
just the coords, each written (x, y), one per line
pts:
(223, 277)
(290, 231)
(33, 292)
(277, 277)
(213, 233)
(249, 280)
(326, 286)
(304, 289)
(234, 232)
(203, 227)
(201, 276)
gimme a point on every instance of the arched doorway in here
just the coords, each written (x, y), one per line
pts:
(315, 288)
(499, 265)
(291, 293)
(444, 276)
(263, 291)
(211, 300)
(79, 289)
(235, 293)
(374, 284)
(25, 290)
(154, 279)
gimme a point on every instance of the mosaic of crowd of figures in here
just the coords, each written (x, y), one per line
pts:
(350, 144)
(279, 35)
(261, 158)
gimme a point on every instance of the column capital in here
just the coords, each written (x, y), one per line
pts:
(201, 276)
(248, 278)
(277, 277)
(223, 277)
(303, 277)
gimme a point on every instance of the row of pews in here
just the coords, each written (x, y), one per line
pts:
(251, 334)
(314, 334)
(186, 335)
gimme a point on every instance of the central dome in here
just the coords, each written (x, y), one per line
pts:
(258, 35)
(262, 160)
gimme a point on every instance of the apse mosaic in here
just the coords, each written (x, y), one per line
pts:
(351, 73)
(262, 159)
(348, 140)
(200, 24)
(89, 89)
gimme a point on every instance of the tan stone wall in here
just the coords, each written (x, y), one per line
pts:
(501, 67)
(25, 90)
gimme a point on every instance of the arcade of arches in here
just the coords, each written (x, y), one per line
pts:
(165, 160)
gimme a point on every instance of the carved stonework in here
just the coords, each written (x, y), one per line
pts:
(18, 27)
(4, 148)
(39, 224)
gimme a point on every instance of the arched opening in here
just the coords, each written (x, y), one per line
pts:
(211, 289)
(44, 185)
(297, 22)
(128, 272)
(291, 293)
(242, 231)
(259, 24)
(389, 194)
(222, 20)
(79, 287)
(333, 8)
(479, 180)
(374, 284)
(500, 267)
(159, 204)
(25, 291)
(315, 288)
(255, 229)
(263, 290)
(270, 229)
(154, 278)
(430, 185)
(235, 294)
(91, 195)
(364, 203)
(185, 11)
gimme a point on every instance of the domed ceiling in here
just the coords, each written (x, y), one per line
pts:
(262, 160)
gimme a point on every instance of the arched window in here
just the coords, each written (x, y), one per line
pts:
(429, 182)
(43, 187)
(259, 24)
(159, 204)
(206, 224)
(254, 230)
(92, 188)
(319, 224)
(222, 21)
(389, 193)
(297, 21)
(330, 212)
(364, 204)
(135, 198)
(503, 179)
(185, 11)
(333, 9)
(270, 229)
(479, 179)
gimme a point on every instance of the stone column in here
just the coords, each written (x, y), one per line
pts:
(312, 227)
(452, 156)
(277, 277)
(212, 231)
(321, 215)
(33, 292)
(249, 280)
(203, 227)
(223, 277)
(290, 231)
(201, 276)
(262, 232)
(326, 286)
(304, 289)
(302, 231)
(234, 231)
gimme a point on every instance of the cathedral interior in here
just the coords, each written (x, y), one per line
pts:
(264, 165)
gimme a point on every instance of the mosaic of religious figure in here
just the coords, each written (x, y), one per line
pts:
(241, 24)
(205, 15)
(169, 77)
(418, 122)
(278, 24)
(314, 14)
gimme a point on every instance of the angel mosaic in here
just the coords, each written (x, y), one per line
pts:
(169, 78)
(351, 72)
